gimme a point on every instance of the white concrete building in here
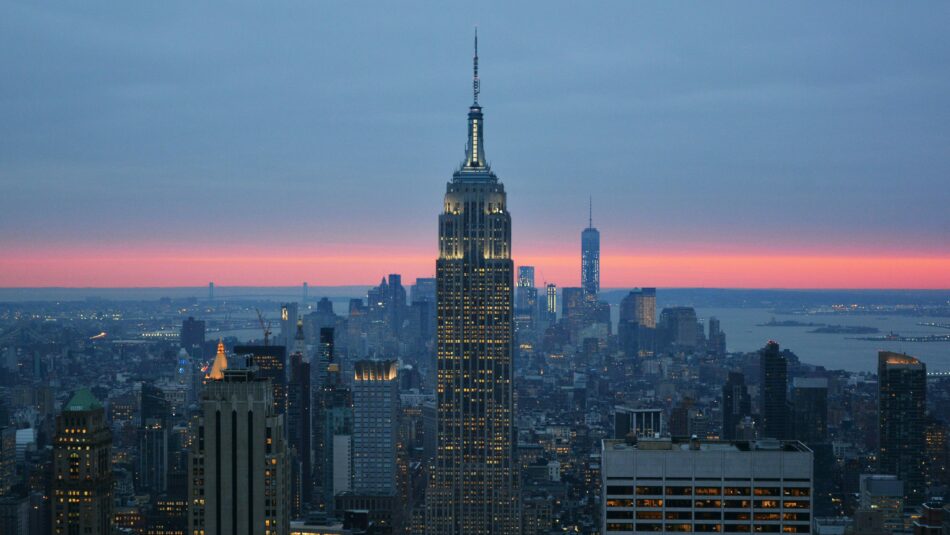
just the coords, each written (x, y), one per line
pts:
(700, 486)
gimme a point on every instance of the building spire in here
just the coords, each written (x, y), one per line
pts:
(476, 85)
(220, 363)
(474, 150)
(590, 211)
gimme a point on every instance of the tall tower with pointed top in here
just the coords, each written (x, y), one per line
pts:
(590, 257)
(472, 487)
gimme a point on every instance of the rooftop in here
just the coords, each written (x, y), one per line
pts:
(678, 444)
(83, 400)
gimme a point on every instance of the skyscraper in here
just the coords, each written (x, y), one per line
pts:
(192, 337)
(152, 466)
(637, 326)
(319, 370)
(774, 391)
(550, 302)
(82, 468)
(472, 487)
(573, 305)
(590, 259)
(299, 432)
(238, 462)
(387, 303)
(375, 426)
(810, 409)
(288, 324)
(333, 425)
(423, 290)
(270, 362)
(902, 383)
(678, 329)
(526, 277)
(526, 294)
(736, 404)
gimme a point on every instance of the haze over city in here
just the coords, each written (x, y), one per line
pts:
(739, 145)
(364, 268)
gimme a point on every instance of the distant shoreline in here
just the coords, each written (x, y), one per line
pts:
(727, 297)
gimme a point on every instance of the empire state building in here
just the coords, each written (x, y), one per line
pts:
(472, 487)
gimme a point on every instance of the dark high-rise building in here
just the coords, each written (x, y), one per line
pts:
(152, 463)
(526, 295)
(397, 302)
(240, 481)
(938, 452)
(192, 337)
(810, 409)
(82, 468)
(299, 431)
(902, 403)
(526, 310)
(152, 466)
(422, 290)
(7, 459)
(736, 404)
(422, 317)
(337, 427)
(472, 489)
(332, 425)
(573, 305)
(774, 392)
(678, 328)
(387, 303)
(590, 259)
(637, 325)
(319, 381)
(288, 324)
(270, 362)
(717, 338)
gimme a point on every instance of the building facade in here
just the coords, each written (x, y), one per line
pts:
(705, 486)
(299, 423)
(269, 362)
(637, 325)
(82, 468)
(238, 464)
(472, 487)
(902, 405)
(736, 404)
(774, 392)
(375, 426)
(810, 409)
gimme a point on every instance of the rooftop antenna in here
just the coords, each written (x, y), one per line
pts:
(476, 86)
(590, 211)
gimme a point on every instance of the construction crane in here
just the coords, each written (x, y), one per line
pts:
(265, 325)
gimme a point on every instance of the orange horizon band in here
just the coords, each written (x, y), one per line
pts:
(277, 268)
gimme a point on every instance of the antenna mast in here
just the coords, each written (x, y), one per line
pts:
(476, 85)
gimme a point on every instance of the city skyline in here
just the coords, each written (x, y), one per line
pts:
(199, 200)
(799, 178)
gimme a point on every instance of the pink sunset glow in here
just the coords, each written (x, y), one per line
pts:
(346, 265)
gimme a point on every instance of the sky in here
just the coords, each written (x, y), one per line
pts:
(772, 145)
